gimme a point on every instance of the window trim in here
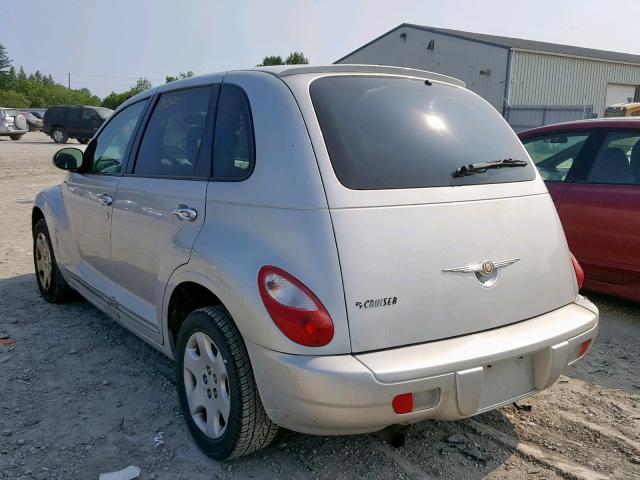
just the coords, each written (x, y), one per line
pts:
(135, 151)
(577, 167)
(604, 133)
(127, 153)
(212, 176)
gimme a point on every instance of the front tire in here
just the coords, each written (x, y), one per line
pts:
(52, 286)
(15, 137)
(59, 135)
(216, 388)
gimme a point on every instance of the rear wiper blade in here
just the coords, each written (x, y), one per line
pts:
(484, 166)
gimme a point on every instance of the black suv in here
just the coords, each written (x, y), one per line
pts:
(64, 122)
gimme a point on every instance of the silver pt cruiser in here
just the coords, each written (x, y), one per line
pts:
(334, 250)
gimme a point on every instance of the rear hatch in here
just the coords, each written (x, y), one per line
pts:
(411, 235)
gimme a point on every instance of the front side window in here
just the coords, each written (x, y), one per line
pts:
(385, 132)
(618, 160)
(108, 149)
(234, 150)
(555, 154)
(172, 138)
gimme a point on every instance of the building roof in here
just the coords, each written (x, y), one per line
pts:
(519, 43)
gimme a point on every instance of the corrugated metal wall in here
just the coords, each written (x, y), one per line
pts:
(451, 56)
(541, 79)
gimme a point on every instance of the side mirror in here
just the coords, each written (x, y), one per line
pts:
(70, 159)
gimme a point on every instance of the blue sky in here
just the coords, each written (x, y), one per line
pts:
(107, 44)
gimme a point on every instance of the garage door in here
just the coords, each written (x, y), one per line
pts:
(620, 93)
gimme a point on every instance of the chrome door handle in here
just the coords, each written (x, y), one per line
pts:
(105, 199)
(185, 213)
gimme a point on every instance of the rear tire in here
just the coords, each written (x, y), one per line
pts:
(229, 387)
(53, 287)
(15, 137)
(59, 135)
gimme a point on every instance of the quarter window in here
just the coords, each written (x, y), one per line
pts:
(234, 149)
(172, 138)
(108, 149)
(554, 154)
(618, 161)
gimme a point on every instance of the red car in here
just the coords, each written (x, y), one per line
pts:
(592, 170)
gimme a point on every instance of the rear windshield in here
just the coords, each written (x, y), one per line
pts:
(104, 113)
(393, 132)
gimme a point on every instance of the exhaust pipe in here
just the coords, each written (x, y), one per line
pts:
(393, 435)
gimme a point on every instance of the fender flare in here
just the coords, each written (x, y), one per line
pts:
(51, 204)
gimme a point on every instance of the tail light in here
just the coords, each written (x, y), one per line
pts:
(578, 269)
(294, 308)
(583, 348)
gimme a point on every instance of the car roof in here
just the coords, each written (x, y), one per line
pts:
(283, 71)
(613, 122)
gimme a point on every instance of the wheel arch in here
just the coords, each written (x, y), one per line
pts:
(49, 205)
(185, 292)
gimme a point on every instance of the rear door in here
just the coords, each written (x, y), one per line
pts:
(160, 204)
(601, 211)
(427, 253)
(73, 122)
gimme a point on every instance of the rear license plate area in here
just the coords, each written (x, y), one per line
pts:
(506, 380)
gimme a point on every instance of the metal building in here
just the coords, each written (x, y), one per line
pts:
(518, 77)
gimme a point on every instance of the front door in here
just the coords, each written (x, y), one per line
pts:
(601, 215)
(88, 199)
(555, 156)
(159, 207)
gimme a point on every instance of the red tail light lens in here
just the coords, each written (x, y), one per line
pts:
(403, 403)
(578, 269)
(583, 348)
(294, 308)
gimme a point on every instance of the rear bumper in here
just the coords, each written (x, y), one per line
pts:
(459, 377)
(5, 131)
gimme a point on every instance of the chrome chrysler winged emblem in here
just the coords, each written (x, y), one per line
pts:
(487, 272)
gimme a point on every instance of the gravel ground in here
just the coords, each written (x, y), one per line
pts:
(80, 395)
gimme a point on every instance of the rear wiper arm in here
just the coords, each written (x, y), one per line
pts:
(484, 166)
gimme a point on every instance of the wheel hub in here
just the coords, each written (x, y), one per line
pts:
(209, 402)
(43, 260)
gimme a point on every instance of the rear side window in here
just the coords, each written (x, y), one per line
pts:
(618, 161)
(390, 132)
(555, 154)
(234, 148)
(173, 135)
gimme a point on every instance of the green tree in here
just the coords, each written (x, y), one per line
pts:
(271, 60)
(11, 98)
(37, 89)
(296, 58)
(114, 100)
(180, 76)
(5, 61)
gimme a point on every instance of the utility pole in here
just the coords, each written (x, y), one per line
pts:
(69, 89)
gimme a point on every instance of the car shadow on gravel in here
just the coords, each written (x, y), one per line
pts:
(614, 359)
(71, 360)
